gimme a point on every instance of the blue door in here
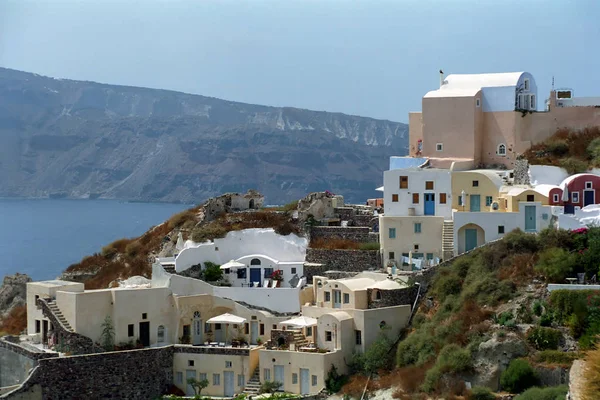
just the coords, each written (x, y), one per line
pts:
(255, 275)
(588, 197)
(470, 239)
(475, 202)
(228, 389)
(530, 219)
(429, 203)
(190, 374)
(253, 332)
(304, 383)
(569, 209)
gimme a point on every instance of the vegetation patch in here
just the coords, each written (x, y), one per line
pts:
(548, 393)
(518, 377)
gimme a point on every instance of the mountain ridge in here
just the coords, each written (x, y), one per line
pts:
(84, 139)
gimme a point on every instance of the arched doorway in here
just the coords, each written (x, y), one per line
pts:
(251, 204)
(470, 236)
(255, 267)
(197, 338)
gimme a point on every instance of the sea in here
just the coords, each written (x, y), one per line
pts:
(42, 237)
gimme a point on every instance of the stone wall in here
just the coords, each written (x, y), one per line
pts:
(340, 260)
(391, 298)
(356, 217)
(356, 234)
(552, 376)
(521, 172)
(135, 374)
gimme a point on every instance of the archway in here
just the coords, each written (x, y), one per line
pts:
(470, 236)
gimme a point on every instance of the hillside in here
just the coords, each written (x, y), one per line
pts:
(84, 139)
(488, 312)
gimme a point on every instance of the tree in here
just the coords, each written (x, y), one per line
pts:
(197, 385)
(518, 377)
(556, 264)
(107, 337)
(212, 272)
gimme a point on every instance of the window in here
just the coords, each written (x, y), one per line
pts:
(500, 229)
(391, 255)
(207, 327)
(216, 379)
(144, 316)
(255, 261)
(358, 337)
(428, 185)
(378, 295)
(38, 326)
(294, 378)
(439, 147)
(501, 150)
(488, 201)
(262, 329)
(202, 376)
(460, 201)
(314, 380)
(268, 272)
(217, 327)
(267, 373)
(241, 273)
(382, 324)
(417, 227)
(394, 198)
(228, 364)
(328, 336)
(186, 330)
(190, 363)
(575, 197)
(475, 183)
(588, 185)
(555, 198)
(530, 197)
(415, 197)
(160, 335)
(442, 198)
(404, 182)
(392, 233)
(429, 256)
(327, 296)
(545, 216)
(526, 84)
(130, 330)
(293, 270)
(241, 381)
(416, 247)
(246, 328)
(346, 298)
(274, 326)
(532, 101)
(309, 331)
(477, 102)
(179, 377)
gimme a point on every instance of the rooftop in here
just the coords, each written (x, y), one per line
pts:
(467, 85)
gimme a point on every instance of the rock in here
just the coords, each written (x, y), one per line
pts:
(494, 356)
(13, 292)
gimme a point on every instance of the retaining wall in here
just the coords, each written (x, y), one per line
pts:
(357, 234)
(340, 260)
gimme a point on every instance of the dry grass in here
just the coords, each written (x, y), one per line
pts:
(518, 269)
(334, 244)
(410, 378)
(355, 386)
(591, 375)
(576, 143)
(15, 322)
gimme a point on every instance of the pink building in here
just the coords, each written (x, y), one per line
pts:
(489, 119)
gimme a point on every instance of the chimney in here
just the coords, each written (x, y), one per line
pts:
(441, 78)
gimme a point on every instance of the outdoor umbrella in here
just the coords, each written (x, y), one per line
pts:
(232, 264)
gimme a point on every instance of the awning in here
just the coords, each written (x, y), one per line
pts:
(301, 322)
(232, 264)
(226, 319)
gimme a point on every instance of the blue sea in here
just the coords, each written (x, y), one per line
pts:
(43, 237)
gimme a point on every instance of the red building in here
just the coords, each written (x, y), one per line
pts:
(582, 190)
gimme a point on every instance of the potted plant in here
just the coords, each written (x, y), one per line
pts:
(277, 276)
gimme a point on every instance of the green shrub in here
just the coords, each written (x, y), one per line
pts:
(418, 320)
(551, 237)
(573, 165)
(556, 264)
(558, 147)
(537, 308)
(270, 386)
(556, 357)
(504, 318)
(546, 319)
(207, 232)
(481, 393)
(544, 338)
(593, 148)
(369, 246)
(334, 381)
(548, 393)
(432, 380)
(518, 377)
(416, 349)
(454, 359)
(445, 284)
(212, 272)
(518, 241)
(378, 355)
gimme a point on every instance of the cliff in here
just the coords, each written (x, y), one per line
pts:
(78, 139)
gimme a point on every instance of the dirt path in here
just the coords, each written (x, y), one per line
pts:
(576, 379)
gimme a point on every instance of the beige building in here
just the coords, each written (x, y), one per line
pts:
(491, 118)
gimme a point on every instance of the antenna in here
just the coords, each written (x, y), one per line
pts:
(553, 83)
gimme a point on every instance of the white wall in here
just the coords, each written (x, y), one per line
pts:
(546, 174)
(489, 221)
(416, 184)
(238, 244)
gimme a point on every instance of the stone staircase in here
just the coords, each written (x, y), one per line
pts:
(59, 315)
(448, 240)
(253, 385)
(299, 339)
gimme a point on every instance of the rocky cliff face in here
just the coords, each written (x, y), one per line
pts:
(84, 139)
(13, 293)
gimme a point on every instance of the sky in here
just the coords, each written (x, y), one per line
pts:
(370, 58)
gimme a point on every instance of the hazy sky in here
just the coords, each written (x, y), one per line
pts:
(370, 58)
